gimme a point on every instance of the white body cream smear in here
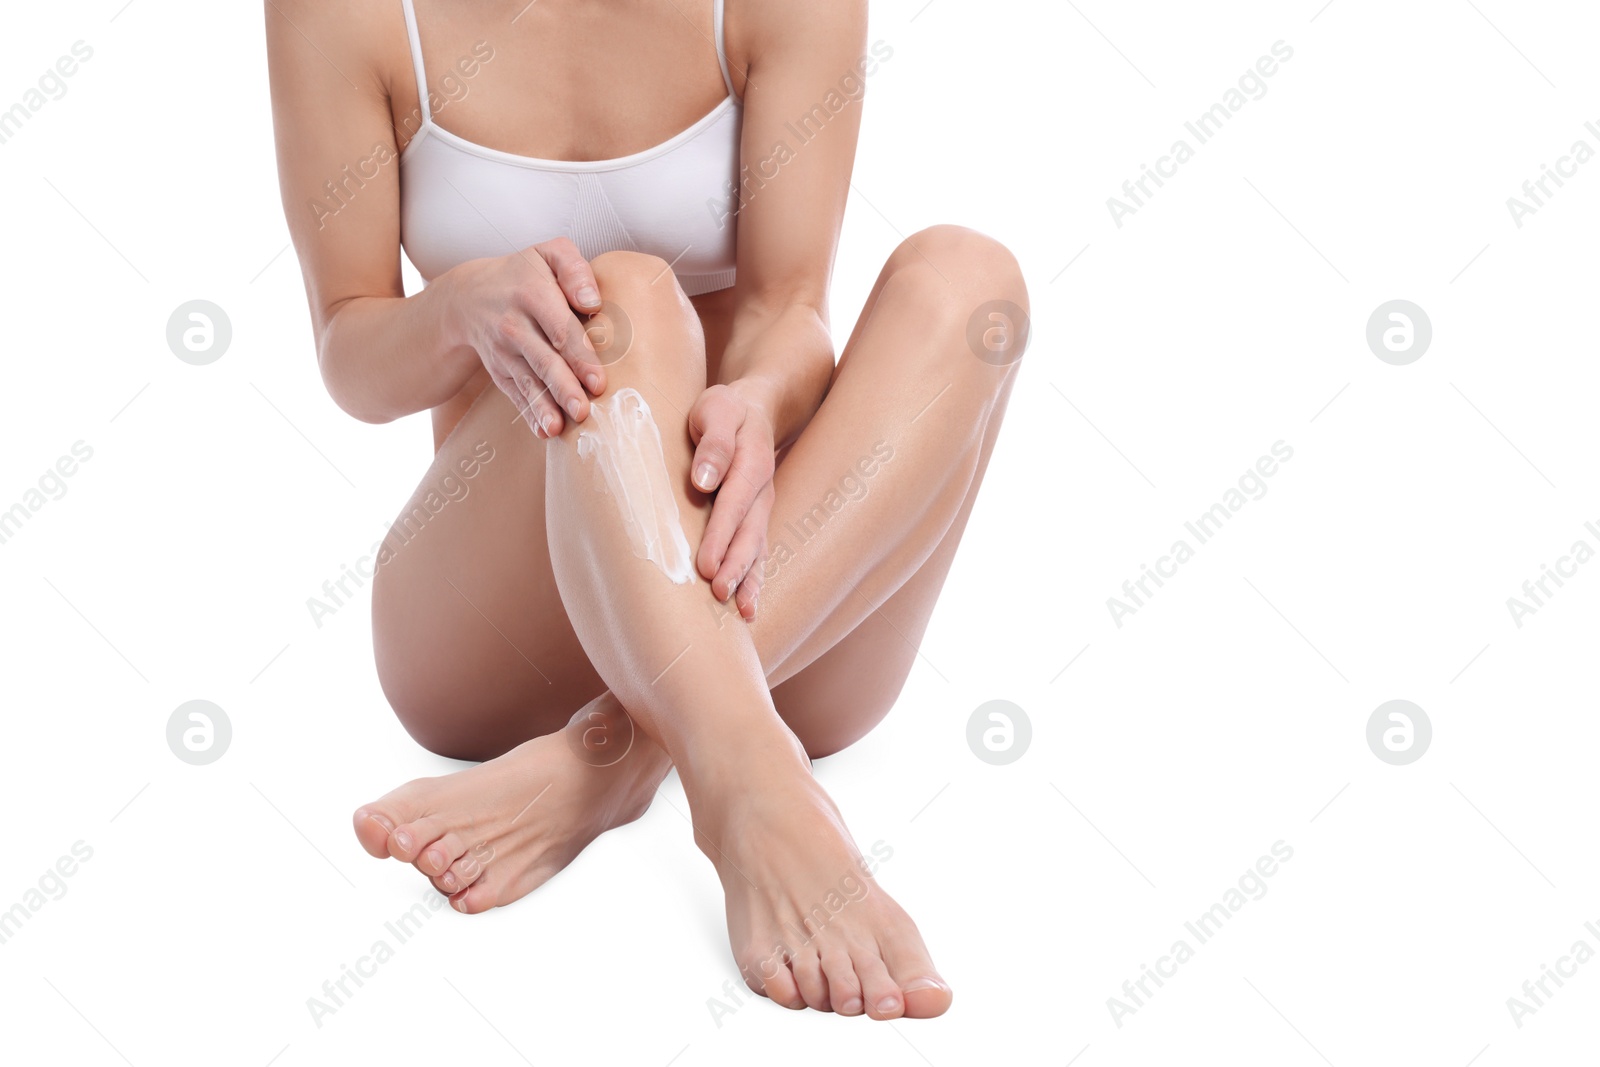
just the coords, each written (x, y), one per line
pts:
(625, 444)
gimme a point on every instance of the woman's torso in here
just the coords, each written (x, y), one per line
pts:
(569, 121)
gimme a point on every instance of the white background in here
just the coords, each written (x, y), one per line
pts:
(1227, 714)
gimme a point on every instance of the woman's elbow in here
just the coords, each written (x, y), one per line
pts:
(355, 398)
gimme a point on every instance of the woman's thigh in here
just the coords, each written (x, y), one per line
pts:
(873, 498)
(473, 648)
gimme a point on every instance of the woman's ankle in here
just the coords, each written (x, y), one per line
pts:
(722, 769)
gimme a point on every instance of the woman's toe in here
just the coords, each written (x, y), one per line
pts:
(463, 873)
(879, 994)
(438, 857)
(477, 897)
(806, 970)
(410, 839)
(844, 988)
(779, 986)
(926, 994)
(373, 828)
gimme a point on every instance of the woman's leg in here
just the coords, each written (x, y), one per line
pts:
(912, 337)
(912, 342)
(473, 649)
(808, 926)
(476, 657)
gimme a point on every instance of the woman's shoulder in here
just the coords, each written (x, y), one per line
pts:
(764, 29)
(360, 38)
(362, 15)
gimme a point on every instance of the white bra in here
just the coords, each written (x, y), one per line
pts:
(460, 200)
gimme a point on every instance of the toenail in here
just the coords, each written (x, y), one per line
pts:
(925, 983)
(449, 879)
(887, 1005)
(403, 839)
(435, 857)
(851, 1006)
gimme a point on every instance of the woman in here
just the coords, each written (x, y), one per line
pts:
(685, 537)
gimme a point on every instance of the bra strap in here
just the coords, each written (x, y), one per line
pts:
(416, 60)
(722, 57)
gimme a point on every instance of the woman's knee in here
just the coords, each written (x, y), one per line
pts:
(647, 325)
(423, 715)
(449, 683)
(823, 731)
(447, 719)
(968, 264)
(965, 290)
(621, 270)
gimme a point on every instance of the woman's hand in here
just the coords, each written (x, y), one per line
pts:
(734, 456)
(516, 312)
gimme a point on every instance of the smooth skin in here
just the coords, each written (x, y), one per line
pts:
(519, 628)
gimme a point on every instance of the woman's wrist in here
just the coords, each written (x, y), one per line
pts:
(787, 374)
(446, 291)
(762, 394)
(458, 359)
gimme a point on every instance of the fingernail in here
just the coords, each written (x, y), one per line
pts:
(403, 839)
(594, 383)
(706, 476)
(572, 408)
(924, 983)
(887, 1005)
(588, 296)
(548, 422)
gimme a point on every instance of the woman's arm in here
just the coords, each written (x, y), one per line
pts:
(805, 71)
(803, 61)
(383, 354)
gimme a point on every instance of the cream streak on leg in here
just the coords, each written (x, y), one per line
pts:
(625, 444)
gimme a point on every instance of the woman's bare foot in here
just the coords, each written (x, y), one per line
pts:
(808, 924)
(493, 833)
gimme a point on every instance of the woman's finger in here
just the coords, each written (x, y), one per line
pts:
(714, 424)
(526, 351)
(734, 501)
(529, 413)
(572, 272)
(736, 564)
(564, 357)
(576, 279)
(747, 524)
(531, 395)
(749, 592)
(570, 341)
(743, 563)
